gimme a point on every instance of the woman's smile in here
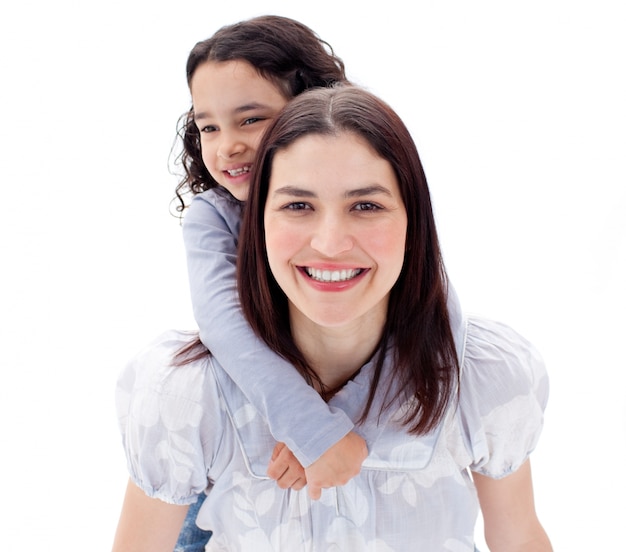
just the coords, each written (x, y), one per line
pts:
(328, 280)
(335, 227)
(326, 275)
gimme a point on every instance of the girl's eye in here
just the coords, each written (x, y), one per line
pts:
(367, 206)
(208, 128)
(252, 120)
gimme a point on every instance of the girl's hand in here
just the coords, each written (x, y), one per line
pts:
(285, 469)
(337, 465)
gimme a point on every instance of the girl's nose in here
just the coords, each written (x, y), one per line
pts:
(229, 146)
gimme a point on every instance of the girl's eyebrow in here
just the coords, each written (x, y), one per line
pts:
(358, 192)
(240, 109)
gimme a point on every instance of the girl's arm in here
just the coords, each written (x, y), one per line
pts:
(508, 508)
(294, 411)
(147, 524)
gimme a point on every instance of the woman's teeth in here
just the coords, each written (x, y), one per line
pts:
(237, 172)
(333, 275)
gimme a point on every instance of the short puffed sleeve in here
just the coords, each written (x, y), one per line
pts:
(503, 395)
(170, 419)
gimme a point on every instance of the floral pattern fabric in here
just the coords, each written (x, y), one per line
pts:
(188, 430)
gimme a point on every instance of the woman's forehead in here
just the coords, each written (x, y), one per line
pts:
(342, 163)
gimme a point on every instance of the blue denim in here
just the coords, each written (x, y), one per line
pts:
(191, 537)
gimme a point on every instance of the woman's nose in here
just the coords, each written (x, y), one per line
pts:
(331, 238)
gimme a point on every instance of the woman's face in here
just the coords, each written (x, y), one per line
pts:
(335, 229)
(233, 105)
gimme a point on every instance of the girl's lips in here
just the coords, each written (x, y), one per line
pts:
(238, 171)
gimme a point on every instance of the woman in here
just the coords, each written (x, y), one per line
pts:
(339, 260)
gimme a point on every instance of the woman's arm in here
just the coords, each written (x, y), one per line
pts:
(147, 524)
(508, 507)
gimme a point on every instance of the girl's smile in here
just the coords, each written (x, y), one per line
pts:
(233, 105)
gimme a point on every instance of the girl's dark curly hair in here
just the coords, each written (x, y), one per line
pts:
(282, 50)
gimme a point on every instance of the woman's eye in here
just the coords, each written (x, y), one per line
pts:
(296, 206)
(252, 120)
(367, 206)
(208, 128)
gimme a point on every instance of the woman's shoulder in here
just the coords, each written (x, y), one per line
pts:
(153, 383)
(503, 395)
(155, 361)
(169, 411)
(494, 352)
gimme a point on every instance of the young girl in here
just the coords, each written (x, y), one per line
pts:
(341, 273)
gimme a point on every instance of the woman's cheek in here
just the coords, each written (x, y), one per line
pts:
(282, 239)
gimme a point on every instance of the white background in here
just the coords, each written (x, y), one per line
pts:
(518, 111)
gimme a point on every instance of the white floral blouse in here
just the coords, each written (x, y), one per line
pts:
(188, 430)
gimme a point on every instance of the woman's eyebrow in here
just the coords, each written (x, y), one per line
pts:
(294, 191)
(368, 190)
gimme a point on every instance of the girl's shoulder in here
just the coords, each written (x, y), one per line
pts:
(215, 206)
(217, 197)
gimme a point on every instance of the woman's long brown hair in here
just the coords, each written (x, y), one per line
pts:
(417, 328)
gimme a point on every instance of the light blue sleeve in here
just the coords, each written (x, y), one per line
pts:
(170, 421)
(294, 411)
(504, 392)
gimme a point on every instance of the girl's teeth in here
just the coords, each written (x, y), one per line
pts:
(333, 275)
(237, 172)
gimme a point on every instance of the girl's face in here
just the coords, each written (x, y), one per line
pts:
(335, 230)
(233, 105)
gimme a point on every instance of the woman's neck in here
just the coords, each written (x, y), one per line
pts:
(336, 354)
